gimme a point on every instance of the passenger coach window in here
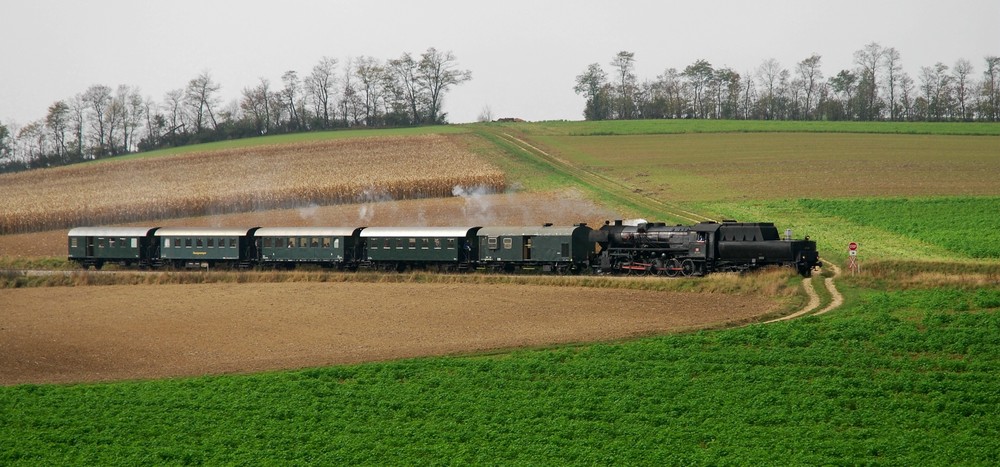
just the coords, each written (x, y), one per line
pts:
(166, 243)
(451, 243)
(315, 242)
(232, 243)
(508, 243)
(437, 243)
(268, 242)
(198, 243)
(211, 243)
(72, 242)
(413, 243)
(491, 242)
(187, 242)
(326, 242)
(425, 243)
(135, 243)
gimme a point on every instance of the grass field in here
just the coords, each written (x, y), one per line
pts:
(655, 127)
(740, 166)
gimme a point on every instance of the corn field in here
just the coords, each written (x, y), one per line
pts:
(241, 180)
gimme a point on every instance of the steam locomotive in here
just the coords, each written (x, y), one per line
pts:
(615, 248)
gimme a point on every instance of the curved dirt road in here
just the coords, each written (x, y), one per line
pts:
(837, 298)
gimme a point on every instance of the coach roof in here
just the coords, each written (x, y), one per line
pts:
(306, 231)
(204, 231)
(110, 231)
(429, 232)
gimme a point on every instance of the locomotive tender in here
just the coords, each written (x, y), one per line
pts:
(645, 248)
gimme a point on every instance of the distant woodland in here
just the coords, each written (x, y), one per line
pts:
(102, 121)
(877, 88)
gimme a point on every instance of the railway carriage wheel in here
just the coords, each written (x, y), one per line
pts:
(673, 268)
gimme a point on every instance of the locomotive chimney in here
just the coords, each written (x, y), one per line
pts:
(788, 234)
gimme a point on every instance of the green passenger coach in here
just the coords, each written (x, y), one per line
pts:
(95, 246)
(326, 246)
(448, 248)
(207, 246)
(565, 249)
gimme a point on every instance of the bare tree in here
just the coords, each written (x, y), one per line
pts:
(893, 70)
(906, 96)
(868, 60)
(201, 96)
(438, 72)
(407, 73)
(810, 75)
(320, 85)
(98, 99)
(770, 73)
(290, 98)
(173, 100)
(963, 87)
(370, 74)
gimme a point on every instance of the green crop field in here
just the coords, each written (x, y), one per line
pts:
(655, 127)
(903, 378)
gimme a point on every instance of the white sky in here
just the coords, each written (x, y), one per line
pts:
(524, 55)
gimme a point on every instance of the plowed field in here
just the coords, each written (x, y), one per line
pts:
(74, 334)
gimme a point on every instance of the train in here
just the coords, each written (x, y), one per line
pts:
(632, 248)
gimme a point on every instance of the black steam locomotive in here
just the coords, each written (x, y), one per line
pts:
(700, 249)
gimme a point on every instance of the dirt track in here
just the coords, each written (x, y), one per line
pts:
(77, 334)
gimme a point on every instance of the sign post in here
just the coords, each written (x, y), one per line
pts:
(852, 251)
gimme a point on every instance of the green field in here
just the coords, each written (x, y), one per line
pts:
(902, 374)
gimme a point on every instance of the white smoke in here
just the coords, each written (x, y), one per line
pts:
(368, 199)
(308, 212)
(478, 207)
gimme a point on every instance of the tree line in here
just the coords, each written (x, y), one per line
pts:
(364, 91)
(877, 88)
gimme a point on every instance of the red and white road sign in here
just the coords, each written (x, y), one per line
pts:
(852, 246)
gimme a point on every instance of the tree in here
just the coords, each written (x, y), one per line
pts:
(963, 87)
(991, 89)
(57, 121)
(370, 74)
(173, 100)
(936, 86)
(320, 85)
(593, 85)
(868, 60)
(810, 75)
(256, 104)
(770, 73)
(624, 64)
(6, 146)
(438, 71)
(290, 98)
(201, 97)
(98, 99)
(406, 71)
(844, 84)
(699, 75)
(893, 71)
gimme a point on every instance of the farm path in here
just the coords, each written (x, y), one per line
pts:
(837, 299)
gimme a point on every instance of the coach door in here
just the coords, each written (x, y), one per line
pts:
(90, 246)
(527, 248)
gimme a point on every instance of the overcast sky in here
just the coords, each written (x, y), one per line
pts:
(524, 55)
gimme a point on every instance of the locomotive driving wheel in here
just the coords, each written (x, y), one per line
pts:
(690, 268)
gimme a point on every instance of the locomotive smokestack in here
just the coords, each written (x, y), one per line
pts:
(788, 234)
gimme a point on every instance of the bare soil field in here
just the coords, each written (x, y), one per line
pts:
(81, 334)
(560, 208)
